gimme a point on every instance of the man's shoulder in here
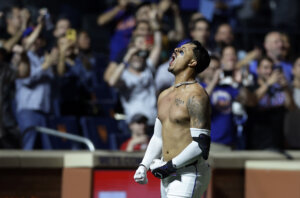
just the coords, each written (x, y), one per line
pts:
(286, 64)
(165, 92)
(197, 93)
(197, 90)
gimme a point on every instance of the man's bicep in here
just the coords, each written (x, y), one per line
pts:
(199, 111)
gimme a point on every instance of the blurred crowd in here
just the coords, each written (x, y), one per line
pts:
(98, 74)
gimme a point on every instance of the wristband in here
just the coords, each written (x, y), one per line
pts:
(125, 63)
(143, 165)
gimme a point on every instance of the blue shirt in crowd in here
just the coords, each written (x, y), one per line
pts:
(222, 124)
(34, 92)
(208, 9)
(122, 35)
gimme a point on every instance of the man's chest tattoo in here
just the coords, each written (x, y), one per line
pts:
(178, 102)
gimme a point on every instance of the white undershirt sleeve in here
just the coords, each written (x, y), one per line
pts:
(154, 148)
(192, 151)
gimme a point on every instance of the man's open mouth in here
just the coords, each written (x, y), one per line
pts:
(173, 58)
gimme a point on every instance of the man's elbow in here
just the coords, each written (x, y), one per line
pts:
(111, 83)
(108, 80)
(101, 21)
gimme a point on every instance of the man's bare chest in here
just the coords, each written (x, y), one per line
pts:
(173, 108)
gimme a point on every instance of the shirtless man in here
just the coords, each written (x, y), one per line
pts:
(182, 129)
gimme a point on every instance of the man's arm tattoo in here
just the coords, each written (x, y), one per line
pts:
(199, 111)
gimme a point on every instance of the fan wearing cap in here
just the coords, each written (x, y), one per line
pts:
(139, 139)
(36, 88)
(180, 144)
(134, 79)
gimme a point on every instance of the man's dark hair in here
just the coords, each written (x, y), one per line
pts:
(63, 17)
(8, 11)
(264, 58)
(202, 57)
(144, 3)
(192, 25)
(226, 46)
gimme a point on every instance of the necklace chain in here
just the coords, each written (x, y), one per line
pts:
(184, 83)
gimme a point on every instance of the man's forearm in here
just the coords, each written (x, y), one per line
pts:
(155, 52)
(210, 87)
(109, 16)
(199, 146)
(153, 151)
(8, 44)
(179, 28)
(261, 91)
(61, 66)
(154, 148)
(33, 36)
(116, 75)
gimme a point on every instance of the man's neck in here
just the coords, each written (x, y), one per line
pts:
(183, 77)
(134, 71)
(296, 83)
(275, 59)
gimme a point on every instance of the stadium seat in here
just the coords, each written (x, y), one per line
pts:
(67, 124)
(101, 131)
(123, 127)
(105, 93)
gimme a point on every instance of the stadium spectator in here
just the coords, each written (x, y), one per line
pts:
(265, 123)
(142, 28)
(224, 36)
(139, 139)
(135, 82)
(200, 31)
(124, 21)
(33, 94)
(228, 102)
(76, 79)
(222, 95)
(16, 23)
(88, 58)
(140, 40)
(134, 77)
(61, 27)
(172, 25)
(274, 47)
(230, 74)
(9, 132)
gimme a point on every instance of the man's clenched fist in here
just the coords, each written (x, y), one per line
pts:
(140, 175)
